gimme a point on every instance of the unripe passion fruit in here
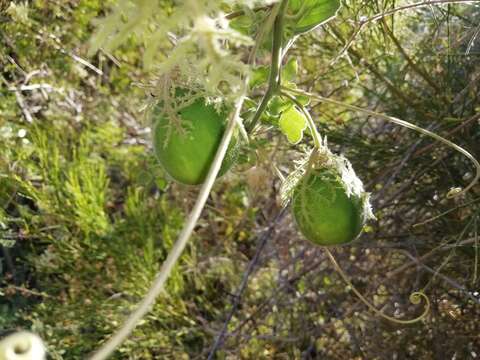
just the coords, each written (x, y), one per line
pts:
(329, 204)
(187, 155)
(323, 211)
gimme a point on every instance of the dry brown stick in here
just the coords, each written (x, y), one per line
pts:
(238, 296)
(427, 147)
(404, 267)
(384, 14)
(21, 104)
(409, 60)
(407, 99)
(443, 277)
(24, 290)
(448, 134)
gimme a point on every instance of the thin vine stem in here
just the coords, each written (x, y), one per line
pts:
(158, 284)
(452, 193)
(414, 297)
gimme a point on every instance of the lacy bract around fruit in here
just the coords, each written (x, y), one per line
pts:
(329, 203)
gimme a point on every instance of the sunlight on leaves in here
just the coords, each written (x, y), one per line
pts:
(292, 123)
(309, 14)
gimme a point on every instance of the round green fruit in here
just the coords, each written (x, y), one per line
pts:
(187, 155)
(323, 211)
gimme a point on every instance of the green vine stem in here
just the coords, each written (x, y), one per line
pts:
(274, 78)
(454, 191)
(157, 286)
(264, 29)
(415, 297)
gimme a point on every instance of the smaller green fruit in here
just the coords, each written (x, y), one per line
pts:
(323, 211)
(329, 204)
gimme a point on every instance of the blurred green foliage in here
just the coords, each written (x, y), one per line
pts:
(85, 221)
(87, 215)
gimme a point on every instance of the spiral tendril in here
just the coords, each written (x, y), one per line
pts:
(415, 298)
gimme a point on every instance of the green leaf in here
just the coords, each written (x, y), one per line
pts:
(269, 119)
(292, 123)
(278, 105)
(289, 71)
(249, 104)
(306, 15)
(242, 24)
(303, 99)
(259, 76)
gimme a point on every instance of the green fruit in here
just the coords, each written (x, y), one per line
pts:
(323, 211)
(187, 155)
